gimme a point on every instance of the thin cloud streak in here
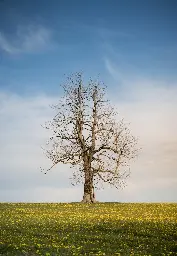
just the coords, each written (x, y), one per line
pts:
(32, 38)
(6, 46)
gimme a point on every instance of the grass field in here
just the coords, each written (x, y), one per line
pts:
(88, 229)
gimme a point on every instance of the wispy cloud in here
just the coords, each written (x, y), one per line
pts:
(6, 45)
(26, 39)
(111, 69)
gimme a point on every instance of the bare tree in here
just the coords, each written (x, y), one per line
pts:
(87, 135)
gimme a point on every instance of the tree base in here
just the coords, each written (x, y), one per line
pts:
(89, 202)
(88, 199)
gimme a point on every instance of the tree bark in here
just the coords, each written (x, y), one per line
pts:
(89, 195)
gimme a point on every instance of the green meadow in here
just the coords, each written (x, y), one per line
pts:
(88, 229)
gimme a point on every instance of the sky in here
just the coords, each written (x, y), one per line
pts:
(132, 46)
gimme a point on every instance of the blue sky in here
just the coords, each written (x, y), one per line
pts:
(42, 40)
(132, 45)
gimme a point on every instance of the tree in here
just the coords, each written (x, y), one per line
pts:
(86, 135)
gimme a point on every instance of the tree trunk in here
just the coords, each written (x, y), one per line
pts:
(89, 195)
